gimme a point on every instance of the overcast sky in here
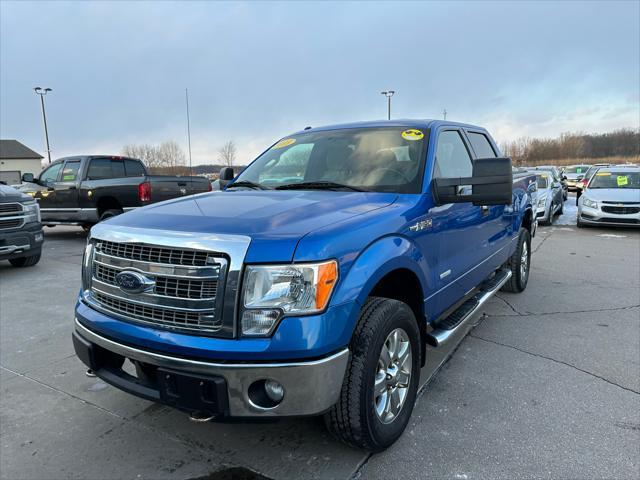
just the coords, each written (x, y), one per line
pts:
(258, 71)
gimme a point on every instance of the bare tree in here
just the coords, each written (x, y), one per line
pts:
(227, 154)
(167, 157)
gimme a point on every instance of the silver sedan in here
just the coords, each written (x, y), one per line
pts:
(549, 199)
(612, 197)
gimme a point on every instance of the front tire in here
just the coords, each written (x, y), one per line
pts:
(519, 264)
(381, 381)
(25, 261)
(109, 213)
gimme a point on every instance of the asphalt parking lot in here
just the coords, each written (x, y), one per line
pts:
(547, 386)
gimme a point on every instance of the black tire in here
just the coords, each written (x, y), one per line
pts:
(579, 224)
(353, 420)
(86, 227)
(25, 261)
(561, 208)
(550, 221)
(519, 279)
(110, 213)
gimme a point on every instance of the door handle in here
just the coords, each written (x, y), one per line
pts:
(484, 209)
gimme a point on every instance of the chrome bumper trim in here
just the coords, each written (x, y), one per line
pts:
(310, 387)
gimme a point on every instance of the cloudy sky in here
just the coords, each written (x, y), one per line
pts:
(258, 71)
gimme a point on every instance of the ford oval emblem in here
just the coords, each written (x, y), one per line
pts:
(132, 282)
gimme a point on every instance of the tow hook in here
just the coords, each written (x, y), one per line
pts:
(201, 417)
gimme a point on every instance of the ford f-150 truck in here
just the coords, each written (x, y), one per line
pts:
(333, 276)
(84, 190)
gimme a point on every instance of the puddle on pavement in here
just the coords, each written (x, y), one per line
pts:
(234, 473)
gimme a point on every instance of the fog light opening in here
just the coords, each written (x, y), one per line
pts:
(266, 393)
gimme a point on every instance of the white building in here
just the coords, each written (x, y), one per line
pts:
(17, 159)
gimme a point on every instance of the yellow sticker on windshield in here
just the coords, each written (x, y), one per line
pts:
(622, 180)
(412, 134)
(603, 174)
(285, 143)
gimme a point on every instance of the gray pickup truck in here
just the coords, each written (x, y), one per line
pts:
(84, 190)
(20, 228)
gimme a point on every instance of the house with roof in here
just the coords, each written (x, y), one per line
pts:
(17, 159)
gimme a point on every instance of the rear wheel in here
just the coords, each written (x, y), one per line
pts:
(519, 264)
(381, 381)
(25, 261)
(109, 213)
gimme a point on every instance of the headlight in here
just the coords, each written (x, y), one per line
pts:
(587, 202)
(87, 266)
(271, 291)
(542, 202)
(31, 212)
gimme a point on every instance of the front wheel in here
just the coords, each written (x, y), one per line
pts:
(381, 381)
(519, 264)
(109, 213)
(25, 261)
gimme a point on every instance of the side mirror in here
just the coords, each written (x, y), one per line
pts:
(27, 177)
(564, 177)
(491, 184)
(226, 173)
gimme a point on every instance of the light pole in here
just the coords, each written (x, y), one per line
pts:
(42, 92)
(444, 113)
(388, 94)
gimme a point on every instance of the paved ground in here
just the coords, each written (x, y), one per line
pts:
(547, 386)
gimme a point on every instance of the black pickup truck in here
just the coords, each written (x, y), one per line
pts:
(84, 190)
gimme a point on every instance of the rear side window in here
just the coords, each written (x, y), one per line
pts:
(133, 168)
(452, 157)
(481, 145)
(105, 168)
(70, 171)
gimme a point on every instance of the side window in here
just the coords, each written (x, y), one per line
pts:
(101, 168)
(133, 168)
(481, 145)
(452, 157)
(50, 174)
(117, 169)
(70, 171)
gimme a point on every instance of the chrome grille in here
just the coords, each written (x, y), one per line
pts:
(6, 208)
(159, 316)
(621, 210)
(183, 288)
(156, 254)
(11, 215)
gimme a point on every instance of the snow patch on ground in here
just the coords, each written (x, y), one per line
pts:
(611, 235)
(569, 214)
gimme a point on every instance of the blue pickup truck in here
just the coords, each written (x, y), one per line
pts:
(333, 276)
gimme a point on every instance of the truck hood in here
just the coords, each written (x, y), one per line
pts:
(274, 220)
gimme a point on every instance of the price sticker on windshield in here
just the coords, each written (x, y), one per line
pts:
(603, 174)
(622, 180)
(285, 143)
(412, 134)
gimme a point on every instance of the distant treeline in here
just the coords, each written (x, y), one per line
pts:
(531, 151)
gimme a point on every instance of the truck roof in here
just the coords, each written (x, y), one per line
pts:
(404, 122)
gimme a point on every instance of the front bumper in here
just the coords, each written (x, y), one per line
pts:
(310, 387)
(595, 216)
(24, 242)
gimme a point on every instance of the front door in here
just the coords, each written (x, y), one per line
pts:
(46, 194)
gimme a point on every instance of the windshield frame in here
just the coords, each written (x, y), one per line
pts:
(416, 186)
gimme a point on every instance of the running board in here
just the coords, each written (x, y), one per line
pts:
(447, 327)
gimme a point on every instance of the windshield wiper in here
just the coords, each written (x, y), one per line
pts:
(248, 184)
(318, 186)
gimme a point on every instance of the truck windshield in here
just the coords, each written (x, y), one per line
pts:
(371, 159)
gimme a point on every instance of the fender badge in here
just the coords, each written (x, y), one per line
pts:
(421, 225)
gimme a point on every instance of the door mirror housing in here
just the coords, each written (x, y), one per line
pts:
(27, 177)
(491, 184)
(226, 173)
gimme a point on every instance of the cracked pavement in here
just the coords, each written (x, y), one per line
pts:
(547, 386)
